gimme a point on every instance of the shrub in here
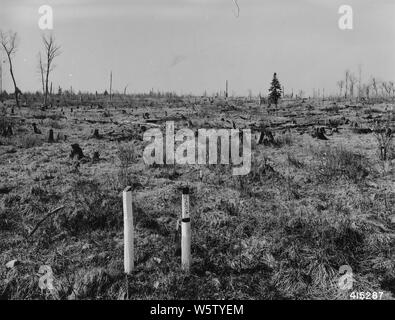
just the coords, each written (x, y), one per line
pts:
(309, 248)
(294, 161)
(91, 208)
(55, 124)
(5, 124)
(384, 135)
(285, 139)
(337, 162)
(127, 155)
(29, 141)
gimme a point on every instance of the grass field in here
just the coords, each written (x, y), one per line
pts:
(308, 206)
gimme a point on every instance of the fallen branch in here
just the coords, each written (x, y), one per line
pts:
(45, 218)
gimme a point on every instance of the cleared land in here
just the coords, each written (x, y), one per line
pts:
(308, 206)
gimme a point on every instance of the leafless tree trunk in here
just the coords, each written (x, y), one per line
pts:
(9, 45)
(41, 70)
(374, 85)
(359, 81)
(51, 52)
(353, 81)
(367, 90)
(111, 86)
(392, 88)
(347, 76)
(340, 84)
(387, 87)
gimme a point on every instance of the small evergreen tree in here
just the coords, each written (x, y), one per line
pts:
(274, 91)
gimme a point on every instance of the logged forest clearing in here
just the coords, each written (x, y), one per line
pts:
(320, 195)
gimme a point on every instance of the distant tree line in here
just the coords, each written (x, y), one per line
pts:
(352, 86)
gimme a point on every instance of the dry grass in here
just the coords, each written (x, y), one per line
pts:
(338, 162)
(281, 232)
(29, 141)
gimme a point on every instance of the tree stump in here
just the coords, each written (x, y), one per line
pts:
(7, 131)
(50, 136)
(76, 152)
(265, 137)
(96, 157)
(96, 134)
(319, 133)
(35, 129)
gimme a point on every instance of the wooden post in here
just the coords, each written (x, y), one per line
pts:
(185, 232)
(128, 231)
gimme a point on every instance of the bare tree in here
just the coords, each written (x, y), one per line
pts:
(52, 50)
(367, 90)
(359, 81)
(375, 86)
(347, 76)
(41, 71)
(392, 88)
(340, 84)
(110, 85)
(353, 80)
(387, 87)
(9, 43)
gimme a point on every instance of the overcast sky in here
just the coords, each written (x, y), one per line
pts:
(195, 45)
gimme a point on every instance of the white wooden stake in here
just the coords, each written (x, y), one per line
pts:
(128, 231)
(185, 232)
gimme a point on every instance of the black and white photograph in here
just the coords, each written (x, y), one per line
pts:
(206, 151)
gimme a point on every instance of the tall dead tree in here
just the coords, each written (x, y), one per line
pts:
(340, 84)
(1, 75)
(52, 50)
(111, 86)
(9, 44)
(392, 87)
(375, 86)
(347, 76)
(41, 70)
(359, 81)
(352, 79)
(367, 90)
(387, 87)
